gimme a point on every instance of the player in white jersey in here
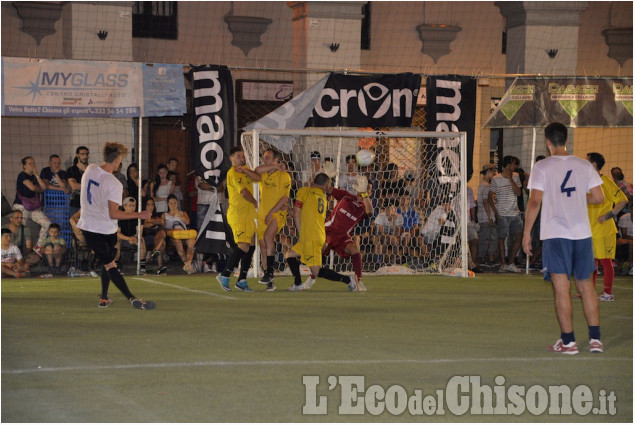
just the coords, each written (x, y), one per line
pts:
(100, 198)
(564, 184)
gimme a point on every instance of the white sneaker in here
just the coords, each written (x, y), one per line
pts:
(512, 268)
(361, 286)
(206, 268)
(294, 288)
(309, 282)
(502, 268)
(606, 297)
(352, 284)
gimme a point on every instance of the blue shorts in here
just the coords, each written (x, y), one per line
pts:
(565, 256)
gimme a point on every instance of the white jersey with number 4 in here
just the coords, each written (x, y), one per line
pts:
(98, 187)
(565, 182)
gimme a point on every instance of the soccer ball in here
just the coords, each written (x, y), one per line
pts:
(365, 157)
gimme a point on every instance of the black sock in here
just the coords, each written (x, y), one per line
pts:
(245, 262)
(594, 332)
(294, 266)
(232, 261)
(119, 282)
(270, 260)
(142, 264)
(105, 283)
(567, 337)
(333, 275)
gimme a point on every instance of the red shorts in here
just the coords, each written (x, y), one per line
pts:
(338, 243)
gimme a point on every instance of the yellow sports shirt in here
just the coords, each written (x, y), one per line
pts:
(238, 205)
(612, 195)
(273, 186)
(312, 213)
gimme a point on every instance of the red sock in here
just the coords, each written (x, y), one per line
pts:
(609, 273)
(595, 273)
(357, 265)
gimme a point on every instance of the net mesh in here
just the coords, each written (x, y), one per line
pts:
(416, 225)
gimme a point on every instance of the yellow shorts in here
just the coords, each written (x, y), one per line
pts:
(243, 229)
(604, 246)
(310, 252)
(261, 227)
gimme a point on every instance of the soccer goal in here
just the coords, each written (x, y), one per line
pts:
(416, 184)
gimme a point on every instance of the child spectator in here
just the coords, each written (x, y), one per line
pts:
(54, 249)
(12, 261)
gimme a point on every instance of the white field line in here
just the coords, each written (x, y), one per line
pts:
(183, 288)
(286, 363)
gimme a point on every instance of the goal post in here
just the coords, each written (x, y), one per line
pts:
(417, 185)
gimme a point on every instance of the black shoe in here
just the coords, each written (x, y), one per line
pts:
(154, 255)
(266, 279)
(161, 270)
(143, 304)
(270, 287)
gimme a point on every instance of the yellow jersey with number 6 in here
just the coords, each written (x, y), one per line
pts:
(312, 204)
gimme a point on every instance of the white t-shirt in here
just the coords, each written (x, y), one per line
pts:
(11, 255)
(389, 226)
(98, 187)
(433, 225)
(565, 182)
(204, 197)
(506, 199)
(626, 223)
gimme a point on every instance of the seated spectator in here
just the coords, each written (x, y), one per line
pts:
(410, 235)
(29, 186)
(13, 264)
(175, 219)
(432, 228)
(79, 235)
(154, 235)
(128, 232)
(388, 226)
(54, 249)
(21, 237)
(54, 177)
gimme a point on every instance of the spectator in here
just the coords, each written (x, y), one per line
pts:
(154, 235)
(75, 173)
(122, 179)
(487, 234)
(177, 190)
(173, 165)
(618, 178)
(392, 187)
(54, 177)
(472, 227)
(410, 226)
(175, 219)
(54, 249)
(388, 226)
(504, 191)
(128, 232)
(432, 228)
(349, 178)
(307, 176)
(79, 235)
(133, 181)
(80, 244)
(27, 199)
(12, 261)
(204, 199)
(161, 188)
(625, 241)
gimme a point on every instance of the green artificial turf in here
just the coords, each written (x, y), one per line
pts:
(205, 355)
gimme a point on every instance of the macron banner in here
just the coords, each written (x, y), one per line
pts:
(386, 100)
(212, 139)
(65, 88)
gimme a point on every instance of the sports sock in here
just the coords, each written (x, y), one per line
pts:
(232, 261)
(119, 282)
(567, 337)
(357, 265)
(245, 262)
(594, 332)
(333, 275)
(294, 266)
(105, 283)
(270, 260)
(609, 273)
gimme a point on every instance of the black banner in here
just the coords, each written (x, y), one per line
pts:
(451, 107)
(367, 101)
(212, 138)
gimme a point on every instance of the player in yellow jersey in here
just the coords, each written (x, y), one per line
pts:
(309, 214)
(241, 216)
(275, 185)
(603, 228)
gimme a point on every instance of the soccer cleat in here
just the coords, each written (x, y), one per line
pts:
(360, 286)
(512, 268)
(224, 282)
(296, 287)
(270, 287)
(352, 284)
(309, 282)
(606, 297)
(266, 279)
(596, 346)
(161, 270)
(103, 303)
(142, 304)
(559, 347)
(242, 285)
(154, 255)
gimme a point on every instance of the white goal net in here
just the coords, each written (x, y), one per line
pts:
(416, 185)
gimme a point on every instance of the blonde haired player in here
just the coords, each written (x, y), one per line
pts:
(309, 213)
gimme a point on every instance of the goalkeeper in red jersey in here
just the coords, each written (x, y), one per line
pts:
(348, 212)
